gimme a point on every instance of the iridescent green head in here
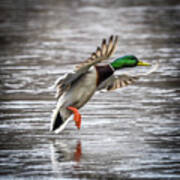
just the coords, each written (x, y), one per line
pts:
(127, 61)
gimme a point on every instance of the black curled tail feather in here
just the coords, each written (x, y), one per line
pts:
(56, 120)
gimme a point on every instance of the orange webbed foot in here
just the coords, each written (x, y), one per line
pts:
(77, 116)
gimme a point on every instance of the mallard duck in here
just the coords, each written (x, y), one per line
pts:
(76, 88)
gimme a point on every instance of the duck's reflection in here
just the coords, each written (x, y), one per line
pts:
(78, 152)
(65, 155)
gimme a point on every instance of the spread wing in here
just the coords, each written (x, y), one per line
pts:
(102, 53)
(119, 81)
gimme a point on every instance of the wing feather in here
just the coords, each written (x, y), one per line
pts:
(103, 47)
(116, 82)
(102, 53)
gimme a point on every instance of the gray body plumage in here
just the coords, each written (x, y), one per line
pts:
(76, 95)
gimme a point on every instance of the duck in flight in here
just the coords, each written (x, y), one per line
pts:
(76, 88)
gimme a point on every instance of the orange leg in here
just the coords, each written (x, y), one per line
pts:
(77, 116)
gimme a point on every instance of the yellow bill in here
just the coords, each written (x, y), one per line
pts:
(141, 63)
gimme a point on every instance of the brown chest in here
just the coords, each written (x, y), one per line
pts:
(103, 72)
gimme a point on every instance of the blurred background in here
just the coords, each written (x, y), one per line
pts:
(131, 133)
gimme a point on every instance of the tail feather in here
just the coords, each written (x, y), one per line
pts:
(56, 120)
(60, 119)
